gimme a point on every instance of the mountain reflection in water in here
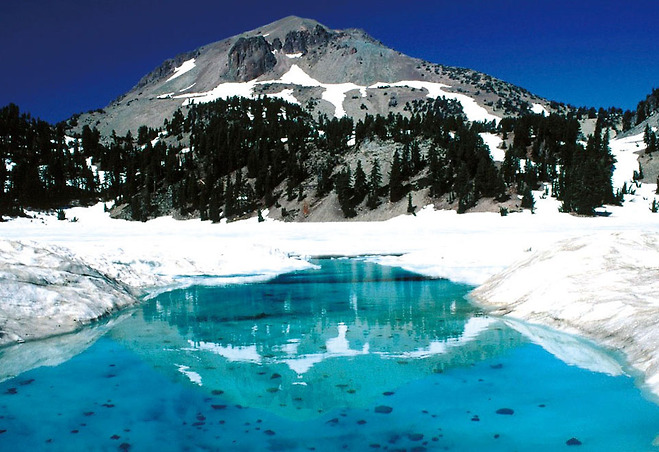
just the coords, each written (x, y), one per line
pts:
(310, 341)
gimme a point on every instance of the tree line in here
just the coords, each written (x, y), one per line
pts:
(245, 155)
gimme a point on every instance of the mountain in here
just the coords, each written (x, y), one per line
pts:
(330, 72)
(314, 124)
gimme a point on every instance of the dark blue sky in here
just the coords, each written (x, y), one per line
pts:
(65, 56)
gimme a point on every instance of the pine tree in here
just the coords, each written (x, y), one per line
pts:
(343, 187)
(417, 159)
(374, 181)
(360, 189)
(396, 178)
(410, 207)
(650, 140)
(528, 202)
(585, 182)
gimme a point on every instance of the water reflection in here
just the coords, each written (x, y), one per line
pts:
(19, 358)
(347, 357)
(314, 340)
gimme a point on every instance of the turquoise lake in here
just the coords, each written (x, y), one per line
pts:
(349, 356)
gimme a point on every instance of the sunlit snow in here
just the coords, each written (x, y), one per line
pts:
(286, 95)
(187, 87)
(186, 66)
(538, 109)
(334, 93)
(493, 142)
(624, 150)
(471, 108)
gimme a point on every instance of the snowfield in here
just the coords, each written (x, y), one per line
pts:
(334, 93)
(594, 276)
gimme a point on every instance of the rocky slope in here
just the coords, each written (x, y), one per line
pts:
(332, 72)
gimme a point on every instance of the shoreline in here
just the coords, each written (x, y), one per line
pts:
(164, 254)
(601, 287)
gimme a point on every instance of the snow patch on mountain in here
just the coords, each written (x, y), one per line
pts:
(296, 76)
(286, 95)
(186, 66)
(187, 87)
(625, 152)
(493, 142)
(222, 91)
(538, 109)
(334, 93)
(471, 108)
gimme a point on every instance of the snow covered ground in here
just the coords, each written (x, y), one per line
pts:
(602, 285)
(614, 256)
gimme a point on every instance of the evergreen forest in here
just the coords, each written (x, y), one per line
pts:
(236, 157)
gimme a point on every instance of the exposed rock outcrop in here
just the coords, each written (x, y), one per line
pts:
(250, 58)
(300, 41)
(166, 68)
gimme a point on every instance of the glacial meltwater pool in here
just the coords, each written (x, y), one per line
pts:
(350, 356)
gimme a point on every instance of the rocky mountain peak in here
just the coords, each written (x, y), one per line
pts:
(250, 58)
(328, 72)
(299, 41)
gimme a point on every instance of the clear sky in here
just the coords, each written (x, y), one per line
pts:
(59, 57)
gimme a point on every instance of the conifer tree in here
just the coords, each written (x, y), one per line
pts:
(650, 140)
(396, 178)
(343, 187)
(410, 207)
(374, 181)
(361, 186)
(528, 202)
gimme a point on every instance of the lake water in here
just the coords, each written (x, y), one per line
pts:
(350, 356)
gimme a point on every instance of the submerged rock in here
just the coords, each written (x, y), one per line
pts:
(383, 409)
(573, 442)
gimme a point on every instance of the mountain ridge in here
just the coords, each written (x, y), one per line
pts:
(327, 56)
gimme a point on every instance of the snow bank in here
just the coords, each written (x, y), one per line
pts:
(287, 95)
(603, 286)
(46, 290)
(625, 152)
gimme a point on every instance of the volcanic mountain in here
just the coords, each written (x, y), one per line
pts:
(328, 72)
